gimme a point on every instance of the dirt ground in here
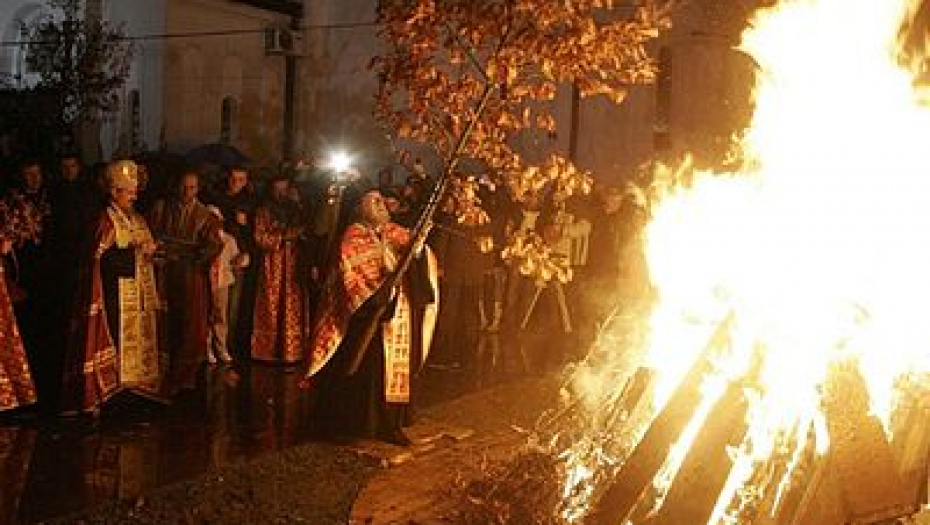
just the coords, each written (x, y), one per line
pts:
(312, 484)
(362, 482)
(457, 443)
(359, 483)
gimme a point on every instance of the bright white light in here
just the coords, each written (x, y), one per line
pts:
(340, 161)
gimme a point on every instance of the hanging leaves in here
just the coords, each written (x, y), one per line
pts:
(86, 61)
(440, 53)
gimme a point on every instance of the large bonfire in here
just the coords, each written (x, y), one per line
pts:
(790, 335)
(781, 377)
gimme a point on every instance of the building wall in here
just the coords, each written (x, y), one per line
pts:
(336, 95)
(705, 97)
(140, 18)
(710, 82)
(199, 72)
(613, 140)
(700, 101)
(183, 81)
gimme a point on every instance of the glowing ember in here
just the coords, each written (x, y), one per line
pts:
(809, 254)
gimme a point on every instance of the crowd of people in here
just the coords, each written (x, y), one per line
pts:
(108, 288)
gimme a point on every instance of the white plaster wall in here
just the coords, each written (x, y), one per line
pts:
(199, 71)
(709, 90)
(710, 98)
(337, 89)
(140, 18)
(182, 80)
(233, 76)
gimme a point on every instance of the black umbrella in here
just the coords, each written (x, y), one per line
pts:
(162, 163)
(216, 153)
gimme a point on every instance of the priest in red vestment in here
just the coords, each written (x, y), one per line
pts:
(115, 343)
(16, 387)
(279, 326)
(374, 399)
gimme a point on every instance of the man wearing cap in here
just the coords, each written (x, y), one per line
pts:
(115, 337)
(615, 272)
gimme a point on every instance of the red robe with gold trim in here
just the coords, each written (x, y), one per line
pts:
(279, 328)
(107, 357)
(16, 387)
(366, 258)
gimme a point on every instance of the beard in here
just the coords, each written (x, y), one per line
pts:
(378, 217)
(383, 216)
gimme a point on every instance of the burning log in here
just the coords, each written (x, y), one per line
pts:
(861, 480)
(872, 488)
(821, 500)
(635, 476)
(778, 237)
(803, 476)
(633, 402)
(911, 439)
(696, 488)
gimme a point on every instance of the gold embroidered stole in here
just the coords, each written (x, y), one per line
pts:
(395, 335)
(398, 337)
(139, 365)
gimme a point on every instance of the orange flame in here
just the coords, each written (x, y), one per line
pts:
(815, 249)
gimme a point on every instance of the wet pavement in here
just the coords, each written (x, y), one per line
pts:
(55, 467)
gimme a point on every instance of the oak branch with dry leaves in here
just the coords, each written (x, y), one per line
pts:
(441, 54)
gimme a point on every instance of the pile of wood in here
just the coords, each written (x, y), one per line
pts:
(863, 478)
